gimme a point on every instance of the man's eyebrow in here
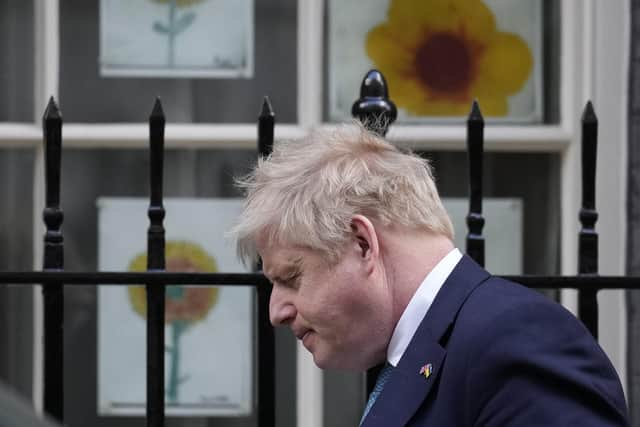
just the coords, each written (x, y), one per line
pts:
(289, 272)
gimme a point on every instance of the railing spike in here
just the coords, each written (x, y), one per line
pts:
(374, 108)
(266, 110)
(266, 124)
(52, 112)
(475, 148)
(475, 115)
(588, 114)
(157, 112)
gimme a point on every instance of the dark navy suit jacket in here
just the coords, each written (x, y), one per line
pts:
(501, 355)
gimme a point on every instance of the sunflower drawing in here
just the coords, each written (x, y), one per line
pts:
(438, 55)
(184, 306)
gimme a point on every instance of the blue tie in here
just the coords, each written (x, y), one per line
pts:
(383, 376)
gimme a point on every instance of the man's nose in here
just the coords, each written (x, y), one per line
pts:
(282, 310)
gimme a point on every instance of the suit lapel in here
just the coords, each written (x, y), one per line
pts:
(407, 387)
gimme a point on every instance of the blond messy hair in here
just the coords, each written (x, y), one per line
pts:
(308, 190)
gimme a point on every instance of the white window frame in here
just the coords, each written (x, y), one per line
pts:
(589, 69)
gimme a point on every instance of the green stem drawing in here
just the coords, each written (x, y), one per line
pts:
(175, 25)
(172, 34)
(178, 327)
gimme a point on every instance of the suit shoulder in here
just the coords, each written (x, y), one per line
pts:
(499, 312)
(498, 298)
(503, 325)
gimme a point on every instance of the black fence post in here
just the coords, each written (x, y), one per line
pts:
(588, 237)
(475, 151)
(53, 260)
(374, 108)
(376, 112)
(155, 262)
(266, 339)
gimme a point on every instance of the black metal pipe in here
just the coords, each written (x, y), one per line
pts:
(475, 151)
(266, 406)
(155, 262)
(53, 260)
(588, 237)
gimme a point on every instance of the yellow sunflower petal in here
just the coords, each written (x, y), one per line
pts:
(138, 297)
(387, 52)
(406, 92)
(505, 65)
(478, 22)
(430, 15)
(471, 16)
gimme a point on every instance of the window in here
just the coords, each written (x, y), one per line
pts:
(52, 48)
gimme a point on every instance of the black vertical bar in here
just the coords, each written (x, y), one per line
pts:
(155, 261)
(53, 295)
(266, 339)
(588, 237)
(266, 362)
(374, 108)
(376, 112)
(475, 149)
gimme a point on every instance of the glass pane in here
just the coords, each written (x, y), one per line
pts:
(88, 175)
(532, 178)
(16, 237)
(85, 96)
(437, 60)
(16, 61)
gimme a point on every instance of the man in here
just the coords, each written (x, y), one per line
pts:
(357, 244)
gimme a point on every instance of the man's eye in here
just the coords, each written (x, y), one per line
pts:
(291, 281)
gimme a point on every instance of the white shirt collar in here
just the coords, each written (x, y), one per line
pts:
(419, 305)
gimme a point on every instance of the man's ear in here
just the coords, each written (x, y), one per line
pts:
(366, 238)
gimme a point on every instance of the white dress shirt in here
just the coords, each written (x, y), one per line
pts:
(419, 305)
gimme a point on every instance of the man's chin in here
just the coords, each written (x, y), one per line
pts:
(320, 362)
(323, 361)
(337, 365)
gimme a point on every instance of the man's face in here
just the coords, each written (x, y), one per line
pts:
(341, 312)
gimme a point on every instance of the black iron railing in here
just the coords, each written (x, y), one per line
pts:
(377, 111)
(53, 278)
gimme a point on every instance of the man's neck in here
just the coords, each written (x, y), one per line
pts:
(409, 256)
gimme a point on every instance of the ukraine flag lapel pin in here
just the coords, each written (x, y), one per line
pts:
(426, 370)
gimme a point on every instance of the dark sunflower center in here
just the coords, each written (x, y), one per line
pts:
(443, 63)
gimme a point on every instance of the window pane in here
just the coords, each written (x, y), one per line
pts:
(16, 61)
(90, 174)
(437, 60)
(85, 96)
(16, 237)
